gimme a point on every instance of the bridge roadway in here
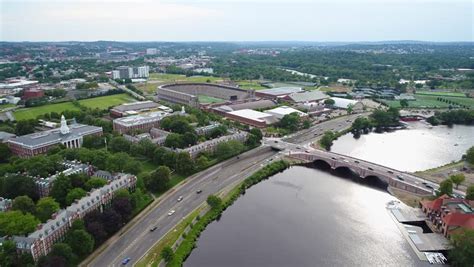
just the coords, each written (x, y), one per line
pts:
(395, 178)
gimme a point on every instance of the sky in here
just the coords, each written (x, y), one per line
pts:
(236, 20)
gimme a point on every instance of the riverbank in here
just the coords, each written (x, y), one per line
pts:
(190, 239)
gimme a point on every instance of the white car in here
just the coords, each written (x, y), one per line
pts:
(180, 198)
(171, 212)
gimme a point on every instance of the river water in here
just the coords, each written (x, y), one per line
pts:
(416, 148)
(315, 217)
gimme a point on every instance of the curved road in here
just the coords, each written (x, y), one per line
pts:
(135, 242)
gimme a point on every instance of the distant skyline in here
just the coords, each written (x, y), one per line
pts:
(231, 20)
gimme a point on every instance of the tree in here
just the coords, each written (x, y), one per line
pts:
(190, 138)
(290, 121)
(123, 206)
(45, 208)
(167, 254)
(25, 127)
(76, 193)
(61, 187)
(158, 181)
(228, 149)
(257, 132)
(404, 103)
(10, 257)
(445, 187)
(63, 250)
(119, 144)
(457, 179)
(470, 155)
(24, 204)
(95, 182)
(17, 185)
(462, 253)
(327, 139)
(185, 164)
(112, 221)
(214, 201)
(329, 102)
(174, 140)
(118, 161)
(81, 242)
(5, 152)
(202, 162)
(17, 223)
(470, 192)
(350, 108)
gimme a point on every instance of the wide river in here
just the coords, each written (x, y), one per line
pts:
(314, 217)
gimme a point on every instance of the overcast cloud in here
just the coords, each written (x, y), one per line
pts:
(231, 20)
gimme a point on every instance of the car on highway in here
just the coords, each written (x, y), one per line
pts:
(429, 186)
(180, 198)
(356, 161)
(171, 212)
(153, 228)
(370, 168)
(333, 158)
(399, 177)
(275, 141)
(298, 147)
(199, 191)
(390, 172)
(126, 260)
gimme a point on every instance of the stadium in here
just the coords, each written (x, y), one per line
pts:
(201, 94)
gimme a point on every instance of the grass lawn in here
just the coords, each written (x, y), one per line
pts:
(104, 102)
(4, 106)
(209, 99)
(148, 88)
(430, 101)
(153, 256)
(32, 113)
(168, 78)
(250, 84)
(454, 94)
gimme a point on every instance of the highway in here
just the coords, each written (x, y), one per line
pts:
(138, 239)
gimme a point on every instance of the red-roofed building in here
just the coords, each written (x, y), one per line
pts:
(449, 214)
(31, 93)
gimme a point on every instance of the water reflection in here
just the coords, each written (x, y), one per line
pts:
(417, 148)
(306, 217)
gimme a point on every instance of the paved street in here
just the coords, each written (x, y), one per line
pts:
(135, 242)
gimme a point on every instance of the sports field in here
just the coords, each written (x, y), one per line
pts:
(103, 102)
(430, 101)
(209, 99)
(442, 94)
(169, 78)
(249, 84)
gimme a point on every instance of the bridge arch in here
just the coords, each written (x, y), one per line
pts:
(346, 169)
(376, 181)
(320, 163)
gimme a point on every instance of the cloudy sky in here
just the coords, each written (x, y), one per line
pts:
(236, 20)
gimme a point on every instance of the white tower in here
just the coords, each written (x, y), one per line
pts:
(64, 129)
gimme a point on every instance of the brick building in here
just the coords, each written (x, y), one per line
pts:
(31, 93)
(41, 241)
(142, 122)
(449, 214)
(40, 142)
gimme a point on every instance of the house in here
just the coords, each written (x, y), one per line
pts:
(344, 103)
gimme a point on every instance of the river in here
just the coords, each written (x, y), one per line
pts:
(314, 217)
(416, 148)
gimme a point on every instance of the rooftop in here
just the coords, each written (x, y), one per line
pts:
(284, 110)
(343, 102)
(308, 96)
(137, 105)
(53, 136)
(281, 91)
(251, 114)
(142, 118)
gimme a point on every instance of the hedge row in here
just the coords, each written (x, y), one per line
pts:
(189, 242)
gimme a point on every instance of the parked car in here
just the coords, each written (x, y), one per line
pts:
(125, 261)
